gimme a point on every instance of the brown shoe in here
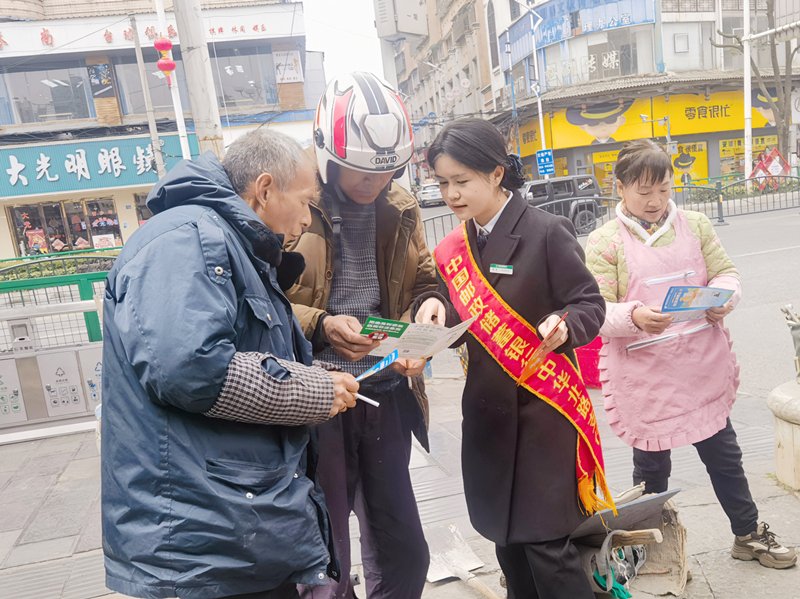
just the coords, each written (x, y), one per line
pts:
(761, 545)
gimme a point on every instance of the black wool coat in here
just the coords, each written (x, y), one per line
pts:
(518, 454)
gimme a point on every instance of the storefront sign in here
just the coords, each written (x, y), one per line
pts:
(564, 19)
(529, 138)
(71, 166)
(599, 123)
(696, 113)
(69, 35)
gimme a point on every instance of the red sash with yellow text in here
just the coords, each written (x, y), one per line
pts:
(510, 340)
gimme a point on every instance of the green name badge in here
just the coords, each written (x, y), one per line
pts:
(501, 269)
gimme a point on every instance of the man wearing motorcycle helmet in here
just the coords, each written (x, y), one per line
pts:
(366, 256)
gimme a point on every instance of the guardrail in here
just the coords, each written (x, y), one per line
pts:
(45, 288)
(719, 201)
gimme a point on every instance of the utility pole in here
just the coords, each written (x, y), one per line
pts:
(196, 61)
(180, 121)
(148, 103)
(748, 96)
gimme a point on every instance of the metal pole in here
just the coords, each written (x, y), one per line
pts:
(748, 97)
(196, 61)
(180, 121)
(148, 103)
(514, 121)
(720, 218)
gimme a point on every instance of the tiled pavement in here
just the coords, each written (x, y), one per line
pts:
(49, 513)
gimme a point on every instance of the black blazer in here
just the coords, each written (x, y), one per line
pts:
(518, 453)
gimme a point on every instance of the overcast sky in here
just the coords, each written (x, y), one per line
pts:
(345, 31)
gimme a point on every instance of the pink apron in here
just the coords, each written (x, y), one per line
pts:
(676, 392)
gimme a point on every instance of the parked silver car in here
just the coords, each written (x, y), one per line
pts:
(430, 195)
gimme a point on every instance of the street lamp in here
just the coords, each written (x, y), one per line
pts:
(534, 50)
(514, 122)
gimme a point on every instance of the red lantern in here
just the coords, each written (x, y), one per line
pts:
(165, 64)
(163, 45)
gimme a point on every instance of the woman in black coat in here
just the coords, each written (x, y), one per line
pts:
(520, 449)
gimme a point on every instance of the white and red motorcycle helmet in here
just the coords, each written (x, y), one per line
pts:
(362, 124)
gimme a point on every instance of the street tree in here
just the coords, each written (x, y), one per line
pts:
(775, 84)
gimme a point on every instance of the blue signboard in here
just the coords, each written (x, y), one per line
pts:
(565, 19)
(544, 160)
(81, 166)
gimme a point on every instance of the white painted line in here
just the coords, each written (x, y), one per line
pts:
(761, 253)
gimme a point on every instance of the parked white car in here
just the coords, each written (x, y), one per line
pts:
(430, 195)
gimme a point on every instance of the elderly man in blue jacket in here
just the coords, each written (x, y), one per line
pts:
(208, 482)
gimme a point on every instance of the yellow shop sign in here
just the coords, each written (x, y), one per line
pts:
(696, 113)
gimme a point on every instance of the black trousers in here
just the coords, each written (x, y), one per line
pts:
(363, 468)
(723, 460)
(550, 570)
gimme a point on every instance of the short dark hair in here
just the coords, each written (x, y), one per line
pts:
(642, 160)
(479, 145)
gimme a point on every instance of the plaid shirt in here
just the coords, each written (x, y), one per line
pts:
(250, 394)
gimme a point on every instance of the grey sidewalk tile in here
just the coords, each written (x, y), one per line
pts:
(43, 551)
(42, 581)
(730, 578)
(82, 469)
(24, 486)
(88, 449)
(13, 516)
(13, 455)
(91, 537)
(7, 540)
(87, 577)
(4, 478)
(55, 522)
(429, 473)
(66, 444)
(42, 465)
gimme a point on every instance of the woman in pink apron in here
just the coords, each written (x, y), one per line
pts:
(668, 382)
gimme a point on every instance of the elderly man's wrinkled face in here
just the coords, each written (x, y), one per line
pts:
(286, 212)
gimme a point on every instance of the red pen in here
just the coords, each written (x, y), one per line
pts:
(537, 357)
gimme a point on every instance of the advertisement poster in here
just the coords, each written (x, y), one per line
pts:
(691, 164)
(603, 163)
(103, 241)
(731, 152)
(101, 80)
(288, 68)
(597, 124)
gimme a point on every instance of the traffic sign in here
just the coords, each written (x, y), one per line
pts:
(545, 163)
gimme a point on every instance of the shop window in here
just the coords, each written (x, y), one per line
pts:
(30, 231)
(143, 213)
(77, 228)
(55, 227)
(36, 96)
(130, 84)
(243, 78)
(103, 223)
(65, 226)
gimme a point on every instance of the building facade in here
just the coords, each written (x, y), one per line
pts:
(76, 158)
(608, 71)
(443, 69)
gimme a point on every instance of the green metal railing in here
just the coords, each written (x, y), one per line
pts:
(52, 279)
